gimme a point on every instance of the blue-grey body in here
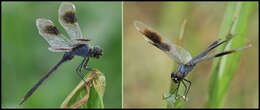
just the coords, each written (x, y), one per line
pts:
(82, 50)
(184, 69)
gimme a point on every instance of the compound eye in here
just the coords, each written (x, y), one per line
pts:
(174, 77)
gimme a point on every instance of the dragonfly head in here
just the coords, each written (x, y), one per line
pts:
(176, 77)
(96, 52)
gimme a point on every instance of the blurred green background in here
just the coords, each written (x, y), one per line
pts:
(147, 69)
(26, 58)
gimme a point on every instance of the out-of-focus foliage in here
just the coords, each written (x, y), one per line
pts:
(236, 20)
(26, 58)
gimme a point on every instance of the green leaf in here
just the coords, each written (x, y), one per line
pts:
(95, 100)
(87, 94)
(225, 67)
(173, 101)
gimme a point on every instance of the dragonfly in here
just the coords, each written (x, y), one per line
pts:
(183, 58)
(77, 45)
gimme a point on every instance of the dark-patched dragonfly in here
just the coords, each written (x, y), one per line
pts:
(185, 62)
(77, 45)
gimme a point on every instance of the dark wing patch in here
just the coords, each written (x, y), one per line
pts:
(51, 34)
(69, 21)
(50, 29)
(157, 40)
(70, 17)
(178, 54)
(153, 36)
(162, 46)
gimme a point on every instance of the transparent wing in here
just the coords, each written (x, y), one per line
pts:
(52, 35)
(178, 54)
(68, 19)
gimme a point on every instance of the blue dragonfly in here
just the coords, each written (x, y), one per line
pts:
(183, 58)
(77, 45)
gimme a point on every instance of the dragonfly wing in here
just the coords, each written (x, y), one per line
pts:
(51, 34)
(68, 19)
(178, 54)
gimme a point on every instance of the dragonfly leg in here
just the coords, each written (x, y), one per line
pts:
(86, 65)
(188, 87)
(79, 69)
(175, 91)
(185, 89)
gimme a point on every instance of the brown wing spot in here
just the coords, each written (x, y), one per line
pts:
(165, 47)
(50, 29)
(157, 40)
(162, 46)
(152, 36)
(70, 17)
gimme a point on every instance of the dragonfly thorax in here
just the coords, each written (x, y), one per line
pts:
(185, 68)
(81, 50)
(182, 72)
(84, 50)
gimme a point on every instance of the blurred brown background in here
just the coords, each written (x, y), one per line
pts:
(147, 69)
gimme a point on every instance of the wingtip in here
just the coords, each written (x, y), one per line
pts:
(38, 20)
(135, 22)
(41, 20)
(66, 5)
(139, 25)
